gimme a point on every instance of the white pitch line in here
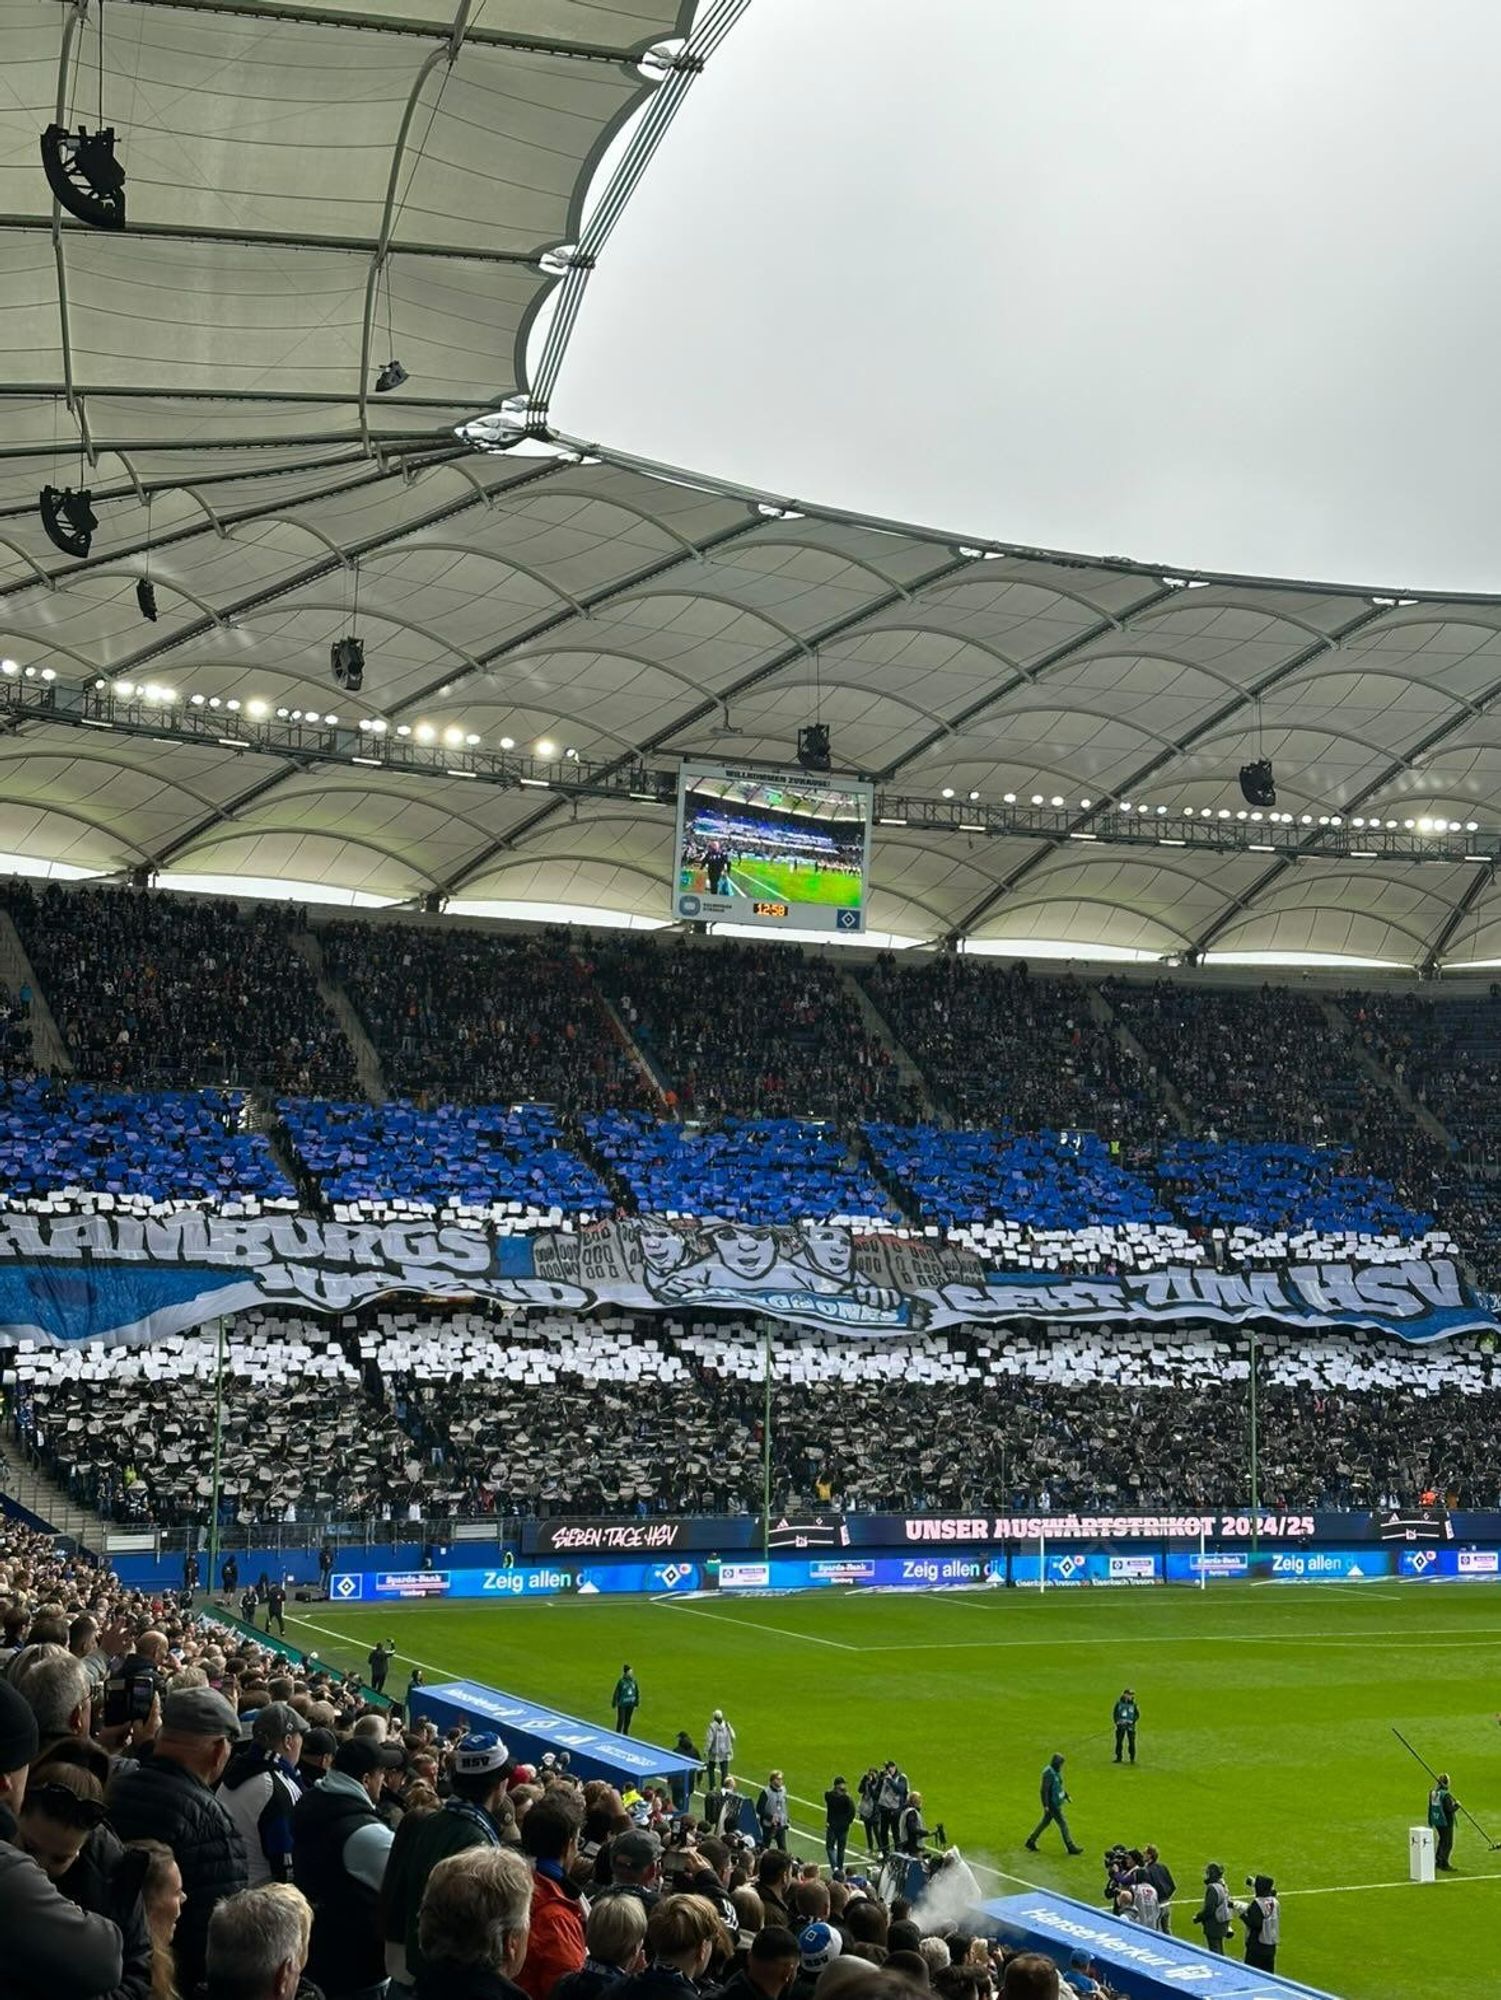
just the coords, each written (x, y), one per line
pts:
(759, 1625)
(345, 1639)
(1362, 1888)
(1445, 1641)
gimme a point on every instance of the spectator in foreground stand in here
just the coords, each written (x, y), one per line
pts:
(260, 1788)
(169, 1797)
(467, 1819)
(635, 1868)
(61, 1826)
(340, 1848)
(683, 1937)
(550, 1835)
(616, 1938)
(257, 1944)
(1030, 1977)
(52, 1950)
(161, 1898)
(767, 1969)
(473, 1926)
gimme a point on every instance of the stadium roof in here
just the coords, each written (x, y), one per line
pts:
(214, 362)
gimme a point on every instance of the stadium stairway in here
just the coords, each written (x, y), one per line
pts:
(1106, 1015)
(47, 1045)
(48, 1502)
(907, 1071)
(638, 1055)
(1344, 1028)
(366, 1061)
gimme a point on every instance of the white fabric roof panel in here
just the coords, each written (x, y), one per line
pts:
(214, 361)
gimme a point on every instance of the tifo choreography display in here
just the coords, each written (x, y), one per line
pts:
(149, 1277)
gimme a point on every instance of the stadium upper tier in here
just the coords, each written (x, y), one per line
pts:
(533, 1075)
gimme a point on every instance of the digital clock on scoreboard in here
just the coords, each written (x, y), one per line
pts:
(768, 909)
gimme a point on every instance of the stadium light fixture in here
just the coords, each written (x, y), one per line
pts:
(1056, 800)
(453, 736)
(948, 791)
(256, 709)
(425, 733)
(508, 743)
(546, 749)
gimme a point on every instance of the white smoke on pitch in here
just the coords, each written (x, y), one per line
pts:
(951, 1896)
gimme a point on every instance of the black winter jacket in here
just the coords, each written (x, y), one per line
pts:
(158, 1799)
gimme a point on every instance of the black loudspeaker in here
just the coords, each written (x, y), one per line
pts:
(814, 752)
(1256, 786)
(346, 657)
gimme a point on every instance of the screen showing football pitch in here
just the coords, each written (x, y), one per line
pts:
(778, 849)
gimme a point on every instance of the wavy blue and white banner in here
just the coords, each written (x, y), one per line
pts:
(68, 1279)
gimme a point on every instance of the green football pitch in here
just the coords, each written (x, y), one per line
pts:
(781, 882)
(1266, 1738)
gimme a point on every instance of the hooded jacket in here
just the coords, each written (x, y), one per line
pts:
(259, 1791)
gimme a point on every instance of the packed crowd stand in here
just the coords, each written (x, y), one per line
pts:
(474, 1017)
(171, 991)
(517, 1096)
(187, 1813)
(409, 1418)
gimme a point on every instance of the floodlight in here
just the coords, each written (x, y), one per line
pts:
(84, 174)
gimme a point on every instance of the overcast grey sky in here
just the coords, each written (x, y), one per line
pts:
(1207, 283)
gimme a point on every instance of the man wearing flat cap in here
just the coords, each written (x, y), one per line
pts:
(169, 1796)
(635, 1868)
(260, 1787)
